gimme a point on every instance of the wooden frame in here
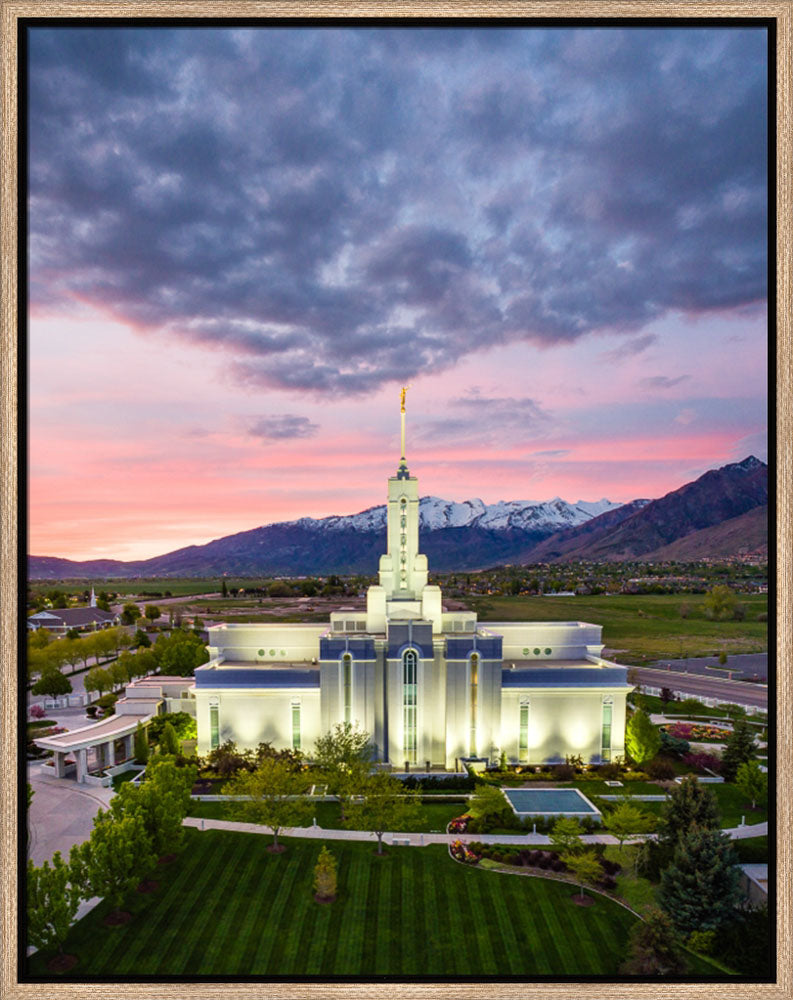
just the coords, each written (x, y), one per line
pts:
(14, 10)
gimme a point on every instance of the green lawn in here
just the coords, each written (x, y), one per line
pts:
(752, 850)
(642, 627)
(227, 906)
(434, 817)
(732, 806)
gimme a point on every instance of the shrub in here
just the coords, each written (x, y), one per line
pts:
(558, 865)
(608, 772)
(607, 883)
(661, 769)
(610, 867)
(703, 761)
(107, 702)
(563, 772)
(37, 712)
(702, 941)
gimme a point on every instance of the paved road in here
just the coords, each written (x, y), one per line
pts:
(738, 692)
(745, 665)
(61, 814)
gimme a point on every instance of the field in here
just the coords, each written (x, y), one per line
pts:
(640, 629)
(227, 906)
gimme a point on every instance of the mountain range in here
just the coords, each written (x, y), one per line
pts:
(722, 514)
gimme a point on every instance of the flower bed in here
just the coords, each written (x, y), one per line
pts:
(460, 852)
(695, 731)
(459, 824)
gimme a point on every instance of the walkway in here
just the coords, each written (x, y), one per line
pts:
(422, 839)
(61, 814)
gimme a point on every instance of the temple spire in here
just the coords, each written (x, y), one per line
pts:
(402, 472)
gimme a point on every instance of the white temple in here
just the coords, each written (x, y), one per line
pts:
(430, 687)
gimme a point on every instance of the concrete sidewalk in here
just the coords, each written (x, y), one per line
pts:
(422, 839)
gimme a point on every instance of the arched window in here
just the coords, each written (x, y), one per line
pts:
(409, 707)
(605, 735)
(523, 739)
(346, 686)
(474, 694)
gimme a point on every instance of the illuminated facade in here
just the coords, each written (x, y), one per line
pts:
(429, 686)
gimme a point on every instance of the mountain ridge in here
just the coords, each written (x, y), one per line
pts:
(461, 535)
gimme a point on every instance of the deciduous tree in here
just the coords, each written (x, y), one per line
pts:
(115, 857)
(752, 782)
(628, 821)
(53, 898)
(141, 746)
(276, 789)
(585, 866)
(53, 683)
(566, 835)
(385, 805)
(344, 756)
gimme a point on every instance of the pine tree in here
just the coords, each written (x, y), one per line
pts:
(654, 947)
(699, 890)
(739, 749)
(325, 875)
(53, 898)
(168, 742)
(689, 804)
(141, 745)
(642, 738)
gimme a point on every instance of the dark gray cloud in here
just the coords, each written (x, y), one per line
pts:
(278, 426)
(629, 348)
(662, 381)
(337, 208)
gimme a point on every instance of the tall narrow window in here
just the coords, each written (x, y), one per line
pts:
(214, 727)
(346, 685)
(409, 671)
(474, 701)
(523, 741)
(295, 725)
(605, 738)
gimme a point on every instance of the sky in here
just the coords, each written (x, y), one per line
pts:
(243, 242)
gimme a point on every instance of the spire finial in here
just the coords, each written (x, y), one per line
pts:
(403, 468)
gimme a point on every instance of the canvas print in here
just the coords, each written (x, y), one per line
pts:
(397, 590)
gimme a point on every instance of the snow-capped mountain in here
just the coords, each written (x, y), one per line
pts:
(436, 514)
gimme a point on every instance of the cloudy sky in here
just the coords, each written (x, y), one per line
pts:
(243, 242)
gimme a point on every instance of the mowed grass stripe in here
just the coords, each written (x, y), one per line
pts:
(498, 897)
(225, 939)
(268, 878)
(283, 909)
(115, 950)
(452, 959)
(228, 907)
(353, 887)
(383, 928)
(370, 938)
(207, 911)
(537, 942)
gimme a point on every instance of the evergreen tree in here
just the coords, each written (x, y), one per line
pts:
(654, 947)
(53, 898)
(689, 804)
(386, 805)
(141, 745)
(739, 749)
(168, 741)
(642, 738)
(752, 782)
(325, 875)
(699, 890)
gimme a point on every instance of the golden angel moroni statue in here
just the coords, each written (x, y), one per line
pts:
(402, 397)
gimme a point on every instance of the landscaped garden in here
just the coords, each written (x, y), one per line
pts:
(221, 908)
